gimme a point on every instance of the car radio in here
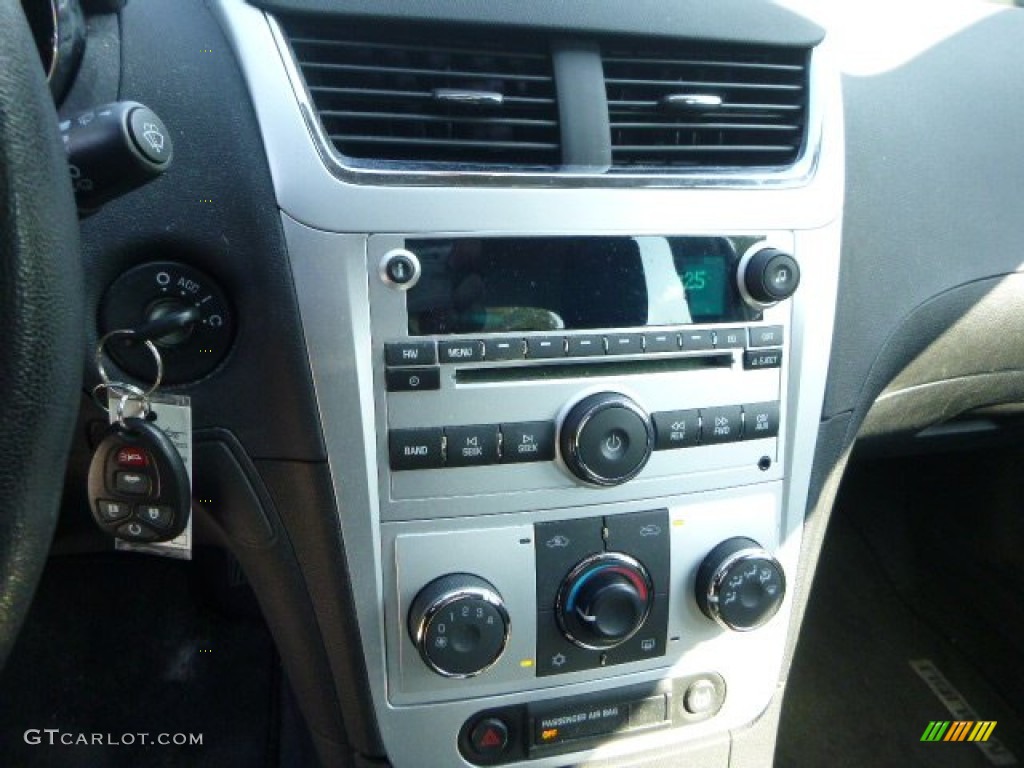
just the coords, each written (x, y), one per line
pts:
(620, 404)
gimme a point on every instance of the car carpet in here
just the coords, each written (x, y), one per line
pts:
(901, 580)
(117, 644)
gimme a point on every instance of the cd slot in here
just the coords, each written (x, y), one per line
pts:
(590, 369)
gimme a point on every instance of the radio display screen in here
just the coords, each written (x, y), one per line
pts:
(496, 284)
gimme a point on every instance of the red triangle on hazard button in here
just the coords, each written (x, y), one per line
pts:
(491, 738)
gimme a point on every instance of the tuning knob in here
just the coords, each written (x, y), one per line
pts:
(459, 625)
(739, 585)
(768, 276)
(606, 439)
(604, 601)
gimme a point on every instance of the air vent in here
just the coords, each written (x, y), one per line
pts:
(430, 95)
(700, 105)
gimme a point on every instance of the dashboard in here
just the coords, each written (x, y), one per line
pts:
(529, 345)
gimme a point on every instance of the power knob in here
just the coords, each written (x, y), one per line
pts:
(740, 586)
(768, 276)
(606, 439)
(459, 625)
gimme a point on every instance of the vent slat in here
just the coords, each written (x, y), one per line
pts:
(761, 121)
(376, 90)
(329, 114)
(413, 96)
(705, 127)
(675, 85)
(615, 106)
(357, 139)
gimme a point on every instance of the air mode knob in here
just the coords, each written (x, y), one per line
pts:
(740, 586)
(604, 601)
(768, 276)
(459, 625)
(606, 439)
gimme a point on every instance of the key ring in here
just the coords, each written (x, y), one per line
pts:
(108, 384)
(125, 393)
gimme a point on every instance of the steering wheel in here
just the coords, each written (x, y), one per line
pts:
(41, 306)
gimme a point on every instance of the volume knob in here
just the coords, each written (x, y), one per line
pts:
(459, 625)
(768, 276)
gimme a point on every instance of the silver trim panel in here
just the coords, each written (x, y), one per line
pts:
(328, 221)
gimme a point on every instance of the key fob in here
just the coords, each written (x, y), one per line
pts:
(139, 489)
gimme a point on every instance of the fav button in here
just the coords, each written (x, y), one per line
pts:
(410, 353)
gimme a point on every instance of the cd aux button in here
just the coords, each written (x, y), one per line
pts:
(760, 420)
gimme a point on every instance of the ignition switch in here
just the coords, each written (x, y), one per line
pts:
(163, 289)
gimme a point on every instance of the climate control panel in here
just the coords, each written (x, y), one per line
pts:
(539, 600)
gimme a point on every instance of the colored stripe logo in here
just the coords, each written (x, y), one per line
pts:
(958, 730)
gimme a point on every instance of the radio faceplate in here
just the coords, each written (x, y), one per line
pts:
(463, 415)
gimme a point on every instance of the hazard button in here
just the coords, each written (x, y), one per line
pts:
(489, 737)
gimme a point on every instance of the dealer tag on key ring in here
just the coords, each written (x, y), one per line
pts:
(140, 475)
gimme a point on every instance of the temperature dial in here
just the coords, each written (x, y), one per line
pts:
(739, 585)
(459, 625)
(604, 601)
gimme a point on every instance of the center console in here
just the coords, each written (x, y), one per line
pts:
(570, 423)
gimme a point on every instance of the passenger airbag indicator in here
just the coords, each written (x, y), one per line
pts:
(580, 723)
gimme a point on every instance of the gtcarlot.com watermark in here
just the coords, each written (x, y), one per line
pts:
(55, 736)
